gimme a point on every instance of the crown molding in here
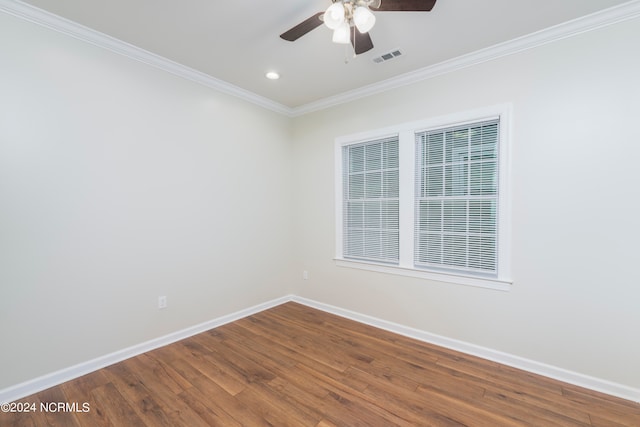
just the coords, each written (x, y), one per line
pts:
(57, 23)
(571, 28)
(613, 15)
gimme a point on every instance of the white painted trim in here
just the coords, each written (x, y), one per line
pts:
(571, 28)
(560, 374)
(338, 192)
(505, 195)
(27, 388)
(478, 282)
(406, 192)
(44, 382)
(46, 19)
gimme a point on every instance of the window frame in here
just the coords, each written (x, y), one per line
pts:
(407, 162)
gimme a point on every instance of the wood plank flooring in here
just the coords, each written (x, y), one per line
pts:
(296, 366)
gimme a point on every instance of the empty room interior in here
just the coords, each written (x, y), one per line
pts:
(433, 220)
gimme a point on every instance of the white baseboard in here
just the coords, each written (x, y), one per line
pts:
(560, 374)
(36, 385)
(44, 382)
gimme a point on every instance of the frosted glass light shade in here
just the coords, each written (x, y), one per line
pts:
(364, 19)
(342, 34)
(334, 15)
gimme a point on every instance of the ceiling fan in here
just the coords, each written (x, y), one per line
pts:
(351, 20)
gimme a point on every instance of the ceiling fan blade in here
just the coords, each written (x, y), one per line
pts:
(302, 28)
(406, 5)
(361, 41)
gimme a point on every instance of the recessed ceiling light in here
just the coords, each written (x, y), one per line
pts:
(272, 75)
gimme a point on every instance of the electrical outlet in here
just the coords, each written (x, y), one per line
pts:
(162, 302)
(305, 275)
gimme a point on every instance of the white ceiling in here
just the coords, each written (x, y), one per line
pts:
(238, 41)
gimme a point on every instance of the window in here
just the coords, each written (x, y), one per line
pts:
(371, 215)
(427, 199)
(457, 198)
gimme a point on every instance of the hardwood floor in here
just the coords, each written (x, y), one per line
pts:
(296, 366)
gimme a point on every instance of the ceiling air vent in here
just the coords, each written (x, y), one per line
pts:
(387, 56)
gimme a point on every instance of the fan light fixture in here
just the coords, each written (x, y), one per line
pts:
(344, 14)
(342, 34)
(334, 16)
(364, 19)
(351, 20)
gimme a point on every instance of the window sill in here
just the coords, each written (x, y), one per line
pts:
(495, 284)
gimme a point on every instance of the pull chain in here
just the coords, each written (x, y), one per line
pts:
(346, 47)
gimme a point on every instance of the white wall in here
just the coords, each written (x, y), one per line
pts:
(119, 183)
(575, 149)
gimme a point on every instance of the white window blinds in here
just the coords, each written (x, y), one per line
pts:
(456, 198)
(370, 201)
